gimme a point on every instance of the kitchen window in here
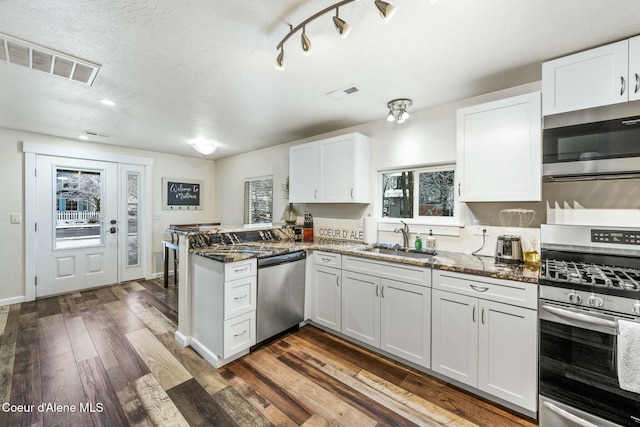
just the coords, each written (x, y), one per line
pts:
(258, 200)
(423, 194)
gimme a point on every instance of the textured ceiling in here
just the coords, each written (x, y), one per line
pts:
(205, 68)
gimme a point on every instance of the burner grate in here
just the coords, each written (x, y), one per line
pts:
(591, 275)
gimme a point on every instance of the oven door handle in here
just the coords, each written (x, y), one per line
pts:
(568, 415)
(580, 317)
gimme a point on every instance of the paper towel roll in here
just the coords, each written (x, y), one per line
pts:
(370, 230)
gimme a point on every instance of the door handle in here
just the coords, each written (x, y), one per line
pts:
(623, 85)
(473, 315)
(568, 416)
(112, 230)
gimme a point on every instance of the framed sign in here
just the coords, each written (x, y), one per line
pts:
(181, 194)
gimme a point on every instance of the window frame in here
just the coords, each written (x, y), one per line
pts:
(247, 204)
(448, 221)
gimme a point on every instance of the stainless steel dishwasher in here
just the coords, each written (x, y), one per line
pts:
(280, 304)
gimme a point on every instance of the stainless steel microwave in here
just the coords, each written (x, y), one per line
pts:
(606, 149)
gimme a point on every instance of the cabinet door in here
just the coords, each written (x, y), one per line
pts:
(327, 297)
(336, 169)
(303, 173)
(361, 307)
(455, 336)
(634, 68)
(507, 353)
(406, 321)
(587, 79)
(499, 150)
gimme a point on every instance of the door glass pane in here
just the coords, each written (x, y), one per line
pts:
(78, 221)
(133, 219)
(435, 193)
(397, 194)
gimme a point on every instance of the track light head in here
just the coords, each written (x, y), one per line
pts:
(390, 116)
(280, 60)
(386, 9)
(306, 43)
(341, 26)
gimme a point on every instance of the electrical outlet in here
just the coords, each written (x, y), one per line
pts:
(479, 226)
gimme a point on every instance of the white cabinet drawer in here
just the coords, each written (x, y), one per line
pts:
(239, 334)
(401, 272)
(239, 296)
(507, 291)
(240, 269)
(327, 259)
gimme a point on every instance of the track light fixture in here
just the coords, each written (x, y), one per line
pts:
(306, 43)
(385, 9)
(398, 110)
(341, 26)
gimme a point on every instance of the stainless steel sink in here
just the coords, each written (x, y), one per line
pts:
(399, 252)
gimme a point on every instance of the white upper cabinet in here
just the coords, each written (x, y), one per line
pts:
(303, 173)
(333, 170)
(499, 150)
(602, 76)
(634, 68)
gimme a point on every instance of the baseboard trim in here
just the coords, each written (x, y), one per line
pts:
(14, 300)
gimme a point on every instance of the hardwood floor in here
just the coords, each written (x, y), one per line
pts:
(108, 357)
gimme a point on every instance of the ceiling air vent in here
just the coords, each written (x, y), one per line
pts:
(348, 90)
(39, 58)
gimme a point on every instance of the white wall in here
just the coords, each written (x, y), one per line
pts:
(429, 137)
(12, 178)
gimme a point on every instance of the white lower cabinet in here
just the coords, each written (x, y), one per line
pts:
(484, 343)
(223, 318)
(386, 313)
(326, 290)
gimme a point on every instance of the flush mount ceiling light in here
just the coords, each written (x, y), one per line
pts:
(385, 9)
(398, 109)
(204, 147)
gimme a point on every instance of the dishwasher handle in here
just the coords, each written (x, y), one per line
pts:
(274, 260)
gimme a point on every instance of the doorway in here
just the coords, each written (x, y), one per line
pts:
(91, 219)
(76, 224)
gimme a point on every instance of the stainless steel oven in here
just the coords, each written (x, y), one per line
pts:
(589, 293)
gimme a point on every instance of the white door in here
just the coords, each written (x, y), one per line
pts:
(634, 68)
(76, 224)
(303, 173)
(586, 79)
(507, 353)
(327, 297)
(361, 307)
(455, 336)
(336, 170)
(406, 321)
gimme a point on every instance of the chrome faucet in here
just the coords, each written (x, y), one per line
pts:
(405, 234)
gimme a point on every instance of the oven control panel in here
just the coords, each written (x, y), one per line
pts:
(621, 237)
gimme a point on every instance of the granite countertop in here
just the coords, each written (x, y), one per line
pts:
(444, 260)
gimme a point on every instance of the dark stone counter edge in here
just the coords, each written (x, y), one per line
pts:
(448, 261)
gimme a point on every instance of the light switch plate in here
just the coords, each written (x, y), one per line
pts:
(16, 218)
